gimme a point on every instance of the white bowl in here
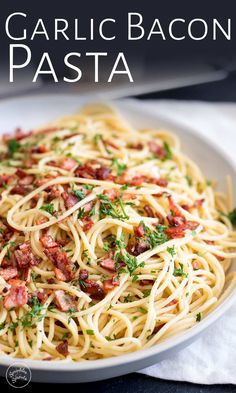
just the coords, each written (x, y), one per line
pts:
(36, 110)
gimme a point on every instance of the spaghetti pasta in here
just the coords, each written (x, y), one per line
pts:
(111, 239)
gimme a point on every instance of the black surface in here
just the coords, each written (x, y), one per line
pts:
(128, 384)
(218, 91)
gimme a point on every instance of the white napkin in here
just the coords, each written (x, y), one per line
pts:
(212, 358)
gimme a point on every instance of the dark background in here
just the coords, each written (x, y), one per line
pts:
(218, 53)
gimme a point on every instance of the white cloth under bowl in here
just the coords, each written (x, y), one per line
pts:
(212, 358)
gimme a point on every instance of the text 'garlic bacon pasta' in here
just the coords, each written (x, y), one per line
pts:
(111, 239)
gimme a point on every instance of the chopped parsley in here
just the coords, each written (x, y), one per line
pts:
(90, 332)
(78, 193)
(34, 315)
(80, 213)
(142, 310)
(198, 317)
(156, 237)
(168, 152)
(13, 146)
(179, 272)
(114, 209)
(120, 167)
(49, 208)
(2, 325)
(13, 326)
(189, 180)
(232, 216)
(171, 250)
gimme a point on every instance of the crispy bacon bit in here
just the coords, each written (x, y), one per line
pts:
(42, 295)
(60, 276)
(146, 282)
(160, 182)
(69, 199)
(157, 150)
(174, 208)
(28, 162)
(112, 193)
(139, 247)
(48, 242)
(210, 242)
(90, 286)
(192, 225)
(27, 274)
(103, 173)
(85, 171)
(83, 274)
(199, 202)
(8, 273)
(108, 262)
(5, 180)
(175, 220)
(27, 180)
(148, 210)
(68, 164)
(186, 207)
(21, 190)
(137, 181)
(61, 262)
(62, 348)
(173, 302)
(196, 265)
(87, 223)
(25, 257)
(17, 295)
(175, 232)
(88, 207)
(136, 146)
(64, 301)
(18, 135)
(140, 230)
(108, 285)
(40, 149)
(220, 259)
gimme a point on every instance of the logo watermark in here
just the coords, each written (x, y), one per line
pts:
(18, 375)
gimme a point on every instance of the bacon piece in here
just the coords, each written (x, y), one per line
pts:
(140, 230)
(8, 273)
(68, 164)
(175, 232)
(88, 207)
(62, 348)
(17, 295)
(25, 257)
(136, 146)
(83, 274)
(87, 223)
(137, 180)
(220, 259)
(108, 285)
(103, 173)
(112, 193)
(157, 150)
(148, 210)
(40, 149)
(146, 282)
(21, 190)
(17, 135)
(69, 199)
(172, 302)
(174, 208)
(198, 202)
(139, 247)
(108, 262)
(27, 274)
(160, 182)
(90, 286)
(210, 242)
(48, 242)
(61, 261)
(186, 207)
(175, 220)
(85, 171)
(27, 180)
(29, 162)
(5, 180)
(192, 225)
(64, 301)
(60, 276)
(196, 265)
(42, 295)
